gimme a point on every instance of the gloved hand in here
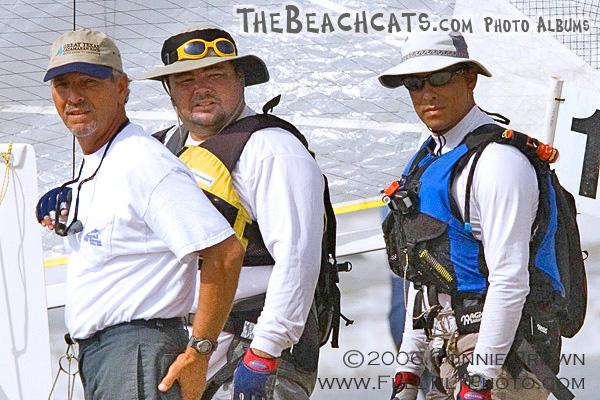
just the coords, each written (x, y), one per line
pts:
(251, 375)
(406, 386)
(466, 393)
(57, 200)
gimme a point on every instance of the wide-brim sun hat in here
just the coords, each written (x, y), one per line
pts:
(430, 52)
(254, 69)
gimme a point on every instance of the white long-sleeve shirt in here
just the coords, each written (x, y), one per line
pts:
(504, 202)
(281, 186)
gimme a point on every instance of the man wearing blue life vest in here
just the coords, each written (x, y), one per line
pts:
(460, 235)
(270, 189)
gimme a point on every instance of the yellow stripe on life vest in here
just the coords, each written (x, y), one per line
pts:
(359, 206)
(55, 262)
(339, 209)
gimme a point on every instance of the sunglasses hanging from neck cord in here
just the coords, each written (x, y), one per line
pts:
(76, 225)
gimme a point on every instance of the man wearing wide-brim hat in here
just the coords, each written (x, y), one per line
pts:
(275, 203)
(465, 250)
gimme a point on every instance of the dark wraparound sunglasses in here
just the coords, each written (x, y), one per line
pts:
(436, 79)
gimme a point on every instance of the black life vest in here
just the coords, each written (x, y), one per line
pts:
(212, 163)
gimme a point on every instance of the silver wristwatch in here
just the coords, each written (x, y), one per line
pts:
(202, 346)
(478, 382)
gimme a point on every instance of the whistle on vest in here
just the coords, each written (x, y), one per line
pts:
(398, 199)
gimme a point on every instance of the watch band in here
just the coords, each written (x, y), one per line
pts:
(478, 382)
(202, 345)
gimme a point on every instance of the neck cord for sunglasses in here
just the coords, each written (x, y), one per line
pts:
(60, 228)
(496, 117)
(237, 112)
(65, 229)
(441, 143)
(179, 131)
(6, 156)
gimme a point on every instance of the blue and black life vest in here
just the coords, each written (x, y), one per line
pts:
(430, 244)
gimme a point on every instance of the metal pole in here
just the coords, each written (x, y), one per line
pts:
(552, 107)
(73, 142)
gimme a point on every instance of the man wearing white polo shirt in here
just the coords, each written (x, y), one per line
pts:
(136, 224)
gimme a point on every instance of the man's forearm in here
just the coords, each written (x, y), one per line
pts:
(221, 266)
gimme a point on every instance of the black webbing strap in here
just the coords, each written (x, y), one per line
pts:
(330, 223)
(223, 375)
(424, 319)
(161, 135)
(335, 322)
(484, 133)
(239, 132)
(271, 104)
(337, 315)
(434, 307)
(177, 140)
(418, 320)
(432, 296)
(330, 244)
(478, 154)
(532, 360)
(243, 310)
(425, 150)
(476, 141)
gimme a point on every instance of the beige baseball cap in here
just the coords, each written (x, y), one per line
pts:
(254, 69)
(86, 51)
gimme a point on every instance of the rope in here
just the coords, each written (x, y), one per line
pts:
(70, 360)
(6, 157)
(68, 357)
(73, 142)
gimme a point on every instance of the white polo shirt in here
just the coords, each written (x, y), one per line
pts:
(144, 218)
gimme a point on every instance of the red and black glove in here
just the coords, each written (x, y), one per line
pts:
(406, 386)
(251, 376)
(468, 393)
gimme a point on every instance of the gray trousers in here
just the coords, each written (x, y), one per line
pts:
(128, 361)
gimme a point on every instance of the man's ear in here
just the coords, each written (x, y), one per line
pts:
(123, 86)
(471, 78)
(167, 87)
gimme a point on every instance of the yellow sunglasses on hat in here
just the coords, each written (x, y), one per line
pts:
(195, 49)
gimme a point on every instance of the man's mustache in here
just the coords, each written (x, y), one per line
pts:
(196, 100)
(80, 108)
